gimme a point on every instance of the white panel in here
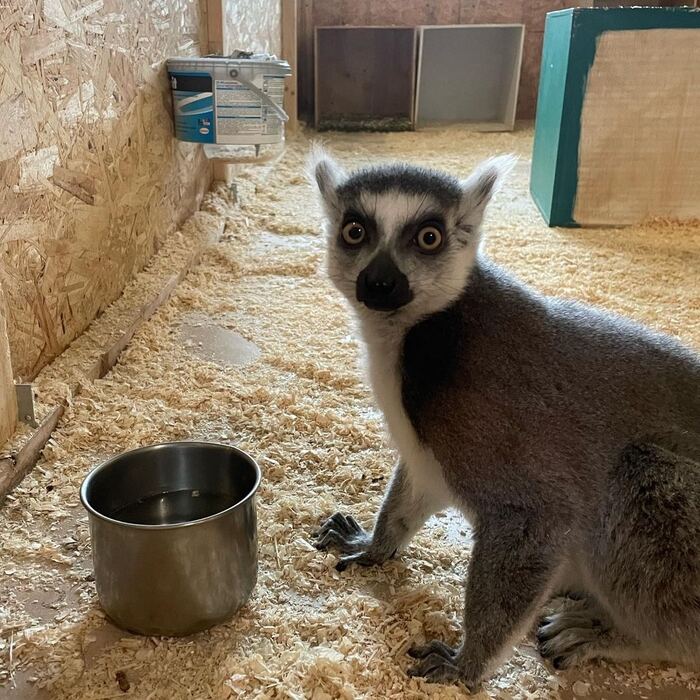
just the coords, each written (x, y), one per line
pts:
(469, 73)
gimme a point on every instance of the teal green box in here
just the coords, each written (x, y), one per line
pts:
(570, 39)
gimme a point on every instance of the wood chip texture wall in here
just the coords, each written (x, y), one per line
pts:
(252, 25)
(91, 179)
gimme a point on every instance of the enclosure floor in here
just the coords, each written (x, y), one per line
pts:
(294, 397)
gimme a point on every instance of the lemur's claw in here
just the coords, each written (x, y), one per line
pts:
(345, 524)
(329, 537)
(440, 663)
(420, 651)
(344, 533)
(435, 668)
(342, 564)
(360, 558)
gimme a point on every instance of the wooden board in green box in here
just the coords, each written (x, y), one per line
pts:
(570, 41)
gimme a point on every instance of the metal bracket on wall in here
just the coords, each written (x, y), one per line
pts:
(25, 404)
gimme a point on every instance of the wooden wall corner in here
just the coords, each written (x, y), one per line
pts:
(214, 27)
(8, 401)
(289, 54)
(222, 171)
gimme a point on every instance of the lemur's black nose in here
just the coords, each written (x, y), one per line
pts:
(382, 286)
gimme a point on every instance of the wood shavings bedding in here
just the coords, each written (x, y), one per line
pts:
(56, 380)
(304, 412)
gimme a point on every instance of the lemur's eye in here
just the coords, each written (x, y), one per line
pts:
(429, 239)
(353, 233)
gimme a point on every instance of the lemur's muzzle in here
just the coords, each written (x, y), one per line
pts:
(382, 286)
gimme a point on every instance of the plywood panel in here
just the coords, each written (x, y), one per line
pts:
(639, 151)
(535, 12)
(407, 14)
(399, 13)
(289, 54)
(365, 76)
(530, 73)
(305, 60)
(492, 12)
(214, 42)
(92, 179)
(252, 25)
(8, 404)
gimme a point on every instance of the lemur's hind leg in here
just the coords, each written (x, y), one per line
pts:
(646, 562)
(649, 553)
(402, 514)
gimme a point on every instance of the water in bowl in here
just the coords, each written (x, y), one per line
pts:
(174, 507)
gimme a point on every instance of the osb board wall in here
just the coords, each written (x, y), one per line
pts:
(92, 178)
(639, 152)
(8, 404)
(253, 25)
(531, 13)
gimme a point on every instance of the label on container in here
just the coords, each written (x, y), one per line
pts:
(193, 107)
(240, 111)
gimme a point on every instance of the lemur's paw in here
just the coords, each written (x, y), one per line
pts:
(421, 651)
(344, 533)
(570, 638)
(360, 558)
(441, 663)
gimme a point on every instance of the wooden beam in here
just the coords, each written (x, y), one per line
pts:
(8, 400)
(223, 171)
(289, 54)
(203, 28)
(305, 61)
(15, 467)
(215, 27)
(214, 13)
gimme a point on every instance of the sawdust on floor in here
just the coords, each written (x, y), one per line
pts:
(302, 409)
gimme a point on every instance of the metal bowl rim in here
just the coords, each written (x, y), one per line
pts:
(168, 526)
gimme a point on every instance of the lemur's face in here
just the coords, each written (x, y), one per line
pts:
(401, 239)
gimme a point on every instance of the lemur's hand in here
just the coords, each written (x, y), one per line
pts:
(346, 535)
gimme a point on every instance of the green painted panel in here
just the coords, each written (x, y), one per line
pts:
(550, 106)
(570, 42)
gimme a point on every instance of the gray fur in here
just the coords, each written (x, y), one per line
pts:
(405, 179)
(569, 437)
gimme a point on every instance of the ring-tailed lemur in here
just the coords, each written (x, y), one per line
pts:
(569, 437)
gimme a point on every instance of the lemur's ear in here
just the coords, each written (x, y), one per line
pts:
(326, 174)
(481, 185)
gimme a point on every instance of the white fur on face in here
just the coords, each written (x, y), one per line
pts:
(435, 280)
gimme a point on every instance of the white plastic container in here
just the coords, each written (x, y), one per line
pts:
(228, 101)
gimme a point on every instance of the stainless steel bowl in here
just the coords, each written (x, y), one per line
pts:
(174, 539)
